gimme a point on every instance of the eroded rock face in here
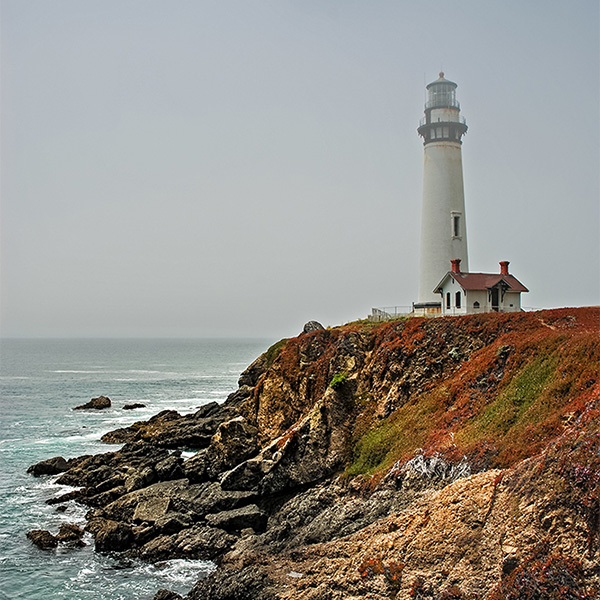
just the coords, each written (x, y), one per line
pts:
(99, 403)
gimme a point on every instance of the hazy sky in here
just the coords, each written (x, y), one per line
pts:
(238, 167)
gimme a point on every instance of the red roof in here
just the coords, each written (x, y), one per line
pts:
(484, 281)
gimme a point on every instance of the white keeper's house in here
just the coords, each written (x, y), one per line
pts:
(468, 293)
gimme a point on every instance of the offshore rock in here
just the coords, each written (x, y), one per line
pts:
(43, 539)
(99, 403)
(133, 406)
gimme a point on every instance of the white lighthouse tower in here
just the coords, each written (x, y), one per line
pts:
(443, 225)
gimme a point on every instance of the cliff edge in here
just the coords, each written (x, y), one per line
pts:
(422, 458)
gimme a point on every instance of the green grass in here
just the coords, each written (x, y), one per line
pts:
(273, 352)
(510, 409)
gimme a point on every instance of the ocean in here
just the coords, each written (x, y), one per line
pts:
(40, 383)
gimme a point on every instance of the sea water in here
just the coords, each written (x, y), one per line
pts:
(41, 381)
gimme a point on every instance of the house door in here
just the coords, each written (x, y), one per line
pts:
(495, 299)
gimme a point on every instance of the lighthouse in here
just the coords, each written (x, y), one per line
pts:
(443, 224)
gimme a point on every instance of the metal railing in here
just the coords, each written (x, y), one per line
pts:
(385, 313)
(423, 121)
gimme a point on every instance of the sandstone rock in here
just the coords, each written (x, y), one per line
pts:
(51, 466)
(312, 326)
(42, 539)
(240, 518)
(95, 403)
(152, 509)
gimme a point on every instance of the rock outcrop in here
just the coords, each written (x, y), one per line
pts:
(99, 403)
(422, 458)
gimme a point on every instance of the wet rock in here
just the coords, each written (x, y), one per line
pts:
(64, 497)
(110, 536)
(167, 595)
(43, 539)
(70, 534)
(99, 403)
(240, 518)
(51, 466)
(133, 406)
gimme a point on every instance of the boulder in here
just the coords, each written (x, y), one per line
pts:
(134, 406)
(167, 595)
(110, 536)
(152, 509)
(198, 542)
(140, 479)
(95, 403)
(51, 466)
(249, 583)
(312, 326)
(43, 539)
(70, 533)
(249, 516)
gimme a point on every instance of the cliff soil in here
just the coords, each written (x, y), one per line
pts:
(420, 458)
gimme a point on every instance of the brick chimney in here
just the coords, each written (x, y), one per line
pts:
(504, 267)
(456, 265)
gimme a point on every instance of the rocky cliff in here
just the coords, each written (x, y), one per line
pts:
(422, 458)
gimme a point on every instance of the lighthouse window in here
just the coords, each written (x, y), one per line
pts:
(457, 302)
(455, 225)
(447, 299)
(446, 132)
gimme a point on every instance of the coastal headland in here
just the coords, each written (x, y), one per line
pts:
(448, 458)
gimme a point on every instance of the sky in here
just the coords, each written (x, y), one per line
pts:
(235, 168)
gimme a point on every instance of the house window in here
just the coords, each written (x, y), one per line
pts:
(476, 304)
(457, 300)
(456, 225)
(447, 299)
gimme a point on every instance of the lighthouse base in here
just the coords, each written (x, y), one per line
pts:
(427, 309)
